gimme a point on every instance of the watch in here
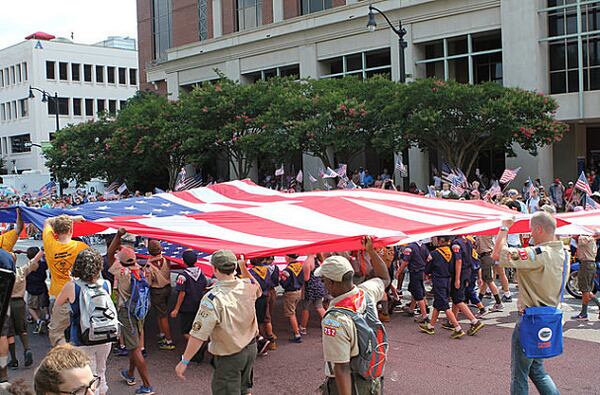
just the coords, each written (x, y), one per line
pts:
(503, 229)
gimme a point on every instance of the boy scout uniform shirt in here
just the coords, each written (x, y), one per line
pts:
(484, 244)
(60, 258)
(227, 316)
(159, 272)
(122, 281)
(540, 272)
(340, 341)
(20, 277)
(8, 240)
(586, 248)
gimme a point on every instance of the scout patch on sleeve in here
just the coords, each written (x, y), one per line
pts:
(329, 331)
(514, 255)
(523, 254)
(196, 326)
(331, 322)
(407, 251)
(180, 280)
(455, 248)
(208, 304)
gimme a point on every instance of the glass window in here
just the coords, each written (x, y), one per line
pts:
(203, 19)
(89, 107)
(486, 41)
(17, 143)
(488, 68)
(249, 14)
(1, 78)
(3, 112)
(24, 107)
(50, 70)
(63, 72)
(12, 75)
(112, 106)
(122, 75)
(76, 106)
(362, 64)
(75, 74)
(122, 104)
(310, 6)
(19, 76)
(378, 58)
(99, 73)
(132, 76)
(161, 27)
(14, 110)
(100, 104)
(87, 72)
(290, 71)
(110, 74)
(25, 72)
(457, 45)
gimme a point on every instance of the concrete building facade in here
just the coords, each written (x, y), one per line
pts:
(88, 79)
(550, 46)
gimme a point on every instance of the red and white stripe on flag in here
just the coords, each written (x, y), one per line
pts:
(508, 175)
(582, 184)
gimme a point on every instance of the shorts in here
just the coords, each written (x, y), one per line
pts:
(131, 329)
(441, 290)
(306, 304)
(36, 302)
(487, 269)
(233, 374)
(290, 302)
(458, 294)
(271, 298)
(159, 299)
(261, 308)
(415, 286)
(59, 322)
(585, 276)
(186, 320)
(17, 317)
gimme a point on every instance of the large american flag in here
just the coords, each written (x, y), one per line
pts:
(190, 182)
(582, 184)
(508, 175)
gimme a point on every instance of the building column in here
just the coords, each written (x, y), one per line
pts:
(217, 18)
(277, 11)
(524, 61)
(173, 86)
(309, 65)
(418, 167)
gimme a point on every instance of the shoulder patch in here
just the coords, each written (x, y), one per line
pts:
(196, 326)
(208, 304)
(180, 279)
(538, 250)
(455, 248)
(407, 251)
(210, 296)
(328, 321)
(328, 331)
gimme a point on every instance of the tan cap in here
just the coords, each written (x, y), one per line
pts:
(224, 260)
(334, 268)
(126, 255)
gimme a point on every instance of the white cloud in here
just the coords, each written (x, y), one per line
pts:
(90, 21)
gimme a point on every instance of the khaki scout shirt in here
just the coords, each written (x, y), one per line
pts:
(484, 244)
(123, 281)
(340, 341)
(227, 316)
(20, 283)
(540, 272)
(158, 272)
(586, 248)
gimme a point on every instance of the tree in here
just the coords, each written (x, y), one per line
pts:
(460, 121)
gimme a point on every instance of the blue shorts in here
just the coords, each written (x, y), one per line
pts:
(459, 294)
(415, 285)
(441, 289)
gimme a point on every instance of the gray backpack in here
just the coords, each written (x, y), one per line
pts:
(98, 322)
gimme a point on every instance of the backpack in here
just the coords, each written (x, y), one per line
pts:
(98, 321)
(372, 340)
(139, 302)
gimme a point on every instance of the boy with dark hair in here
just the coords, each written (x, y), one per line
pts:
(292, 281)
(37, 291)
(267, 276)
(415, 256)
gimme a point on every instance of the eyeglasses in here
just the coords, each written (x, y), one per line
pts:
(91, 387)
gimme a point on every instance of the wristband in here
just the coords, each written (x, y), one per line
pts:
(184, 361)
(503, 229)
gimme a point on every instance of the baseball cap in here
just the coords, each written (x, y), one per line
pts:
(334, 268)
(223, 260)
(126, 255)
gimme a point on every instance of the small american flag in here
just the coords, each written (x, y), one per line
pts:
(508, 175)
(531, 188)
(279, 172)
(493, 191)
(329, 173)
(190, 182)
(341, 171)
(582, 184)
(590, 204)
(180, 179)
(112, 187)
(47, 189)
(455, 186)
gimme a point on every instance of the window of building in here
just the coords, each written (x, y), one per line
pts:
(100, 105)
(87, 72)
(161, 27)
(23, 108)
(362, 64)
(1, 78)
(8, 112)
(63, 71)
(18, 143)
(473, 58)
(110, 74)
(122, 104)
(50, 70)
(25, 72)
(15, 114)
(89, 107)
(249, 14)
(112, 106)
(310, 6)
(3, 112)
(63, 106)
(132, 76)
(282, 71)
(99, 73)
(6, 76)
(122, 75)
(76, 107)
(75, 72)
(567, 74)
(19, 75)
(203, 19)
(12, 75)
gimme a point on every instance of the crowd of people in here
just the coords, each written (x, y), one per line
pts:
(230, 315)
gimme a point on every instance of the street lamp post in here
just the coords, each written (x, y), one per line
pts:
(400, 32)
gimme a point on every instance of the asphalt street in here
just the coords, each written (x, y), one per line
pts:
(418, 363)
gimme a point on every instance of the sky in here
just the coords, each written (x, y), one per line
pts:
(90, 21)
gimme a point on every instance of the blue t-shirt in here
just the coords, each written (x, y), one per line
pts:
(193, 282)
(6, 261)
(439, 266)
(416, 255)
(35, 282)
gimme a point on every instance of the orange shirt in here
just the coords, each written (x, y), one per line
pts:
(8, 240)
(60, 258)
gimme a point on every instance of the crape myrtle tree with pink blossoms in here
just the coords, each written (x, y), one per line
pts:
(461, 121)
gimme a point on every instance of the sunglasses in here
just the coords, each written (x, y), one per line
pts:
(91, 387)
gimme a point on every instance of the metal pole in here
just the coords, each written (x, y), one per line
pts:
(56, 110)
(402, 44)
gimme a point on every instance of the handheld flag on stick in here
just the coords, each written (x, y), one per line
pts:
(280, 171)
(329, 173)
(582, 184)
(508, 175)
(299, 176)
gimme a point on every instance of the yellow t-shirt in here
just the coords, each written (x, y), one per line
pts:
(8, 240)
(60, 258)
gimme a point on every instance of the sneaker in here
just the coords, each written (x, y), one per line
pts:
(497, 307)
(144, 353)
(448, 326)
(384, 317)
(129, 380)
(580, 317)
(476, 327)
(165, 346)
(296, 339)
(272, 345)
(145, 390)
(13, 364)
(303, 330)
(426, 329)
(3, 374)
(38, 327)
(482, 312)
(28, 358)
(161, 339)
(506, 299)
(121, 351)
(457, 334)
(262, 345)
(421, 319)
